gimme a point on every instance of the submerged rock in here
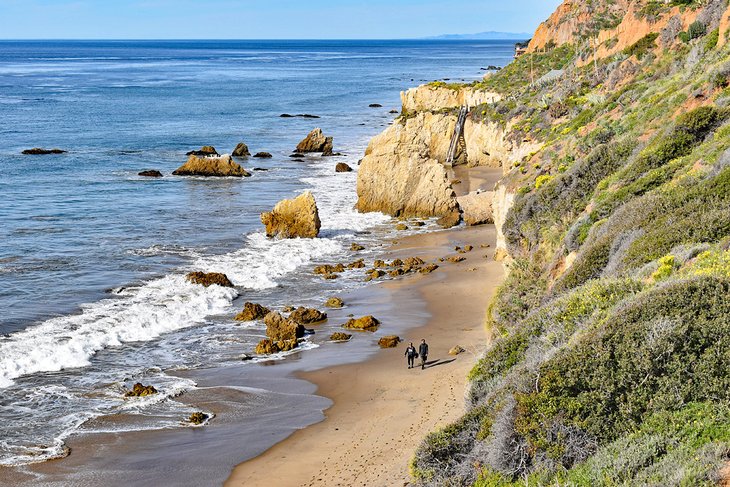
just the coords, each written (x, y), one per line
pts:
(198, 418)
(140, 390)
(293, 218)
(37, 151)
(241, 150)
(152, 173)
(263, 155)
(206, 150)
(315, 141)
(251, 312)
(305, 316)
(209, 278)
(334, 302)
(375, 105)
(390, 341)
(401, 226)
(301, 115)
(339, 336)
(368, 323)
(342, 167)
(223, 166)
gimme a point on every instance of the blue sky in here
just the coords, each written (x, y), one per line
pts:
(261, 19)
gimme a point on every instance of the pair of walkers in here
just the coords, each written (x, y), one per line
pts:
(412, 354)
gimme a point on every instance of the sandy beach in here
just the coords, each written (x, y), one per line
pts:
(382, 410)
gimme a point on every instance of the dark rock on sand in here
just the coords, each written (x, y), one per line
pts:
(241, 150)
(390, 341)
(306, 316)
(342, 167)
(209, 279)
(152, 173)
(456, 350)
(263, 155)
(37, 151)
(251, 312)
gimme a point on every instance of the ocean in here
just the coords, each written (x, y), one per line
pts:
(93, 257)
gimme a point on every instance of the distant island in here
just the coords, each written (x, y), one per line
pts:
(490, 35)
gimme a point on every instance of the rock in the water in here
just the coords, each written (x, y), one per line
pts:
(456, 350)
(456, 259)
(315, 141)
(209, 278)
(363, 323)
(334, 302)
(279, 328)
(328, 269)
(305, 316)
(37, 151)
(198, 418)
(429, 268)
(301, 115)
(327, 149)
(355, 247)
(375, 105)
(339, 336)
(342, 167)
(268, 346)
(252, 311)
(401, 227)
(476, 207)
(293, 218)
(223, 166)
(241, 150)
(263, 155)
(152, 173)
(206, 150)
(413, 261)
(140, 390)
(260, 169)
(358, 264)
(390, 341)
(394, 111)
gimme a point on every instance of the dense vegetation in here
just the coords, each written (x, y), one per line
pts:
(612, 330)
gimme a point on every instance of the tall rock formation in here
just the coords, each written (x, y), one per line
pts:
(293, 218)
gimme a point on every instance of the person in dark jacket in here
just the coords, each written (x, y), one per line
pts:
(423, 352)
(411, 354)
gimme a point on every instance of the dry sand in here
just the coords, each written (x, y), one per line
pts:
(382, 410)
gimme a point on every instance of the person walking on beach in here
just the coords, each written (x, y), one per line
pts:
(411, 354)
(423, 352)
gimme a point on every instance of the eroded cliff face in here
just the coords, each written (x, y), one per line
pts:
(434, 98)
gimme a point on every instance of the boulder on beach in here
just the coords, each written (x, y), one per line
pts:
(339, 336)
(37, 151)
(456, 350)
(140, 390)
(368, 323)
(389, 341)
(206, 150)
(151, 173)
(328, 269)
(305, 316)
(241, 150)
(334, 302)
(315, 141)
(251, 312)
(268, 346)
(476, 207)
(456, 259)
(263, 155)
(223, 166)
(198, 418)
(293, 218)
(429, 268)
(209, 278)
(279, 328)
(342, 167)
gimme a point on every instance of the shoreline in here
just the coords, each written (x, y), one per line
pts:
(381, 410)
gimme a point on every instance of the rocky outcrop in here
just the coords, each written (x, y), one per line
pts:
(433, 97)
(268, 346)
(368, 323)
(206, 150)
(400, 176)
(306, 316)
(279, 328)
(293, 218)
(342, 167)
(37, 151)
(251, 312)
(315, 141)
(152, 173)
(328, 147)
(140, 390)
(241, 150)
(339, 336)
(501, 204)
(223, 166)
(334, 302)
(263, 155)
(389, 341)
(476, 207)
(207, 279)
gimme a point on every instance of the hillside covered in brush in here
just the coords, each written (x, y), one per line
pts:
(610, 363)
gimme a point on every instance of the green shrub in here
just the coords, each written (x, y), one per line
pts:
(642, 46)
(666, 267)
(712, 39)
(696, 29)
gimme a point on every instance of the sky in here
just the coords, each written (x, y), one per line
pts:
(265, 19)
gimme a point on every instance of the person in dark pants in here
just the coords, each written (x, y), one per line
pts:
(423, 352)
(411, 354)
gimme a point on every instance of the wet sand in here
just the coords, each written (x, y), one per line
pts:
(381, 409)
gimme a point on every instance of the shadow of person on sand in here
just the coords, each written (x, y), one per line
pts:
(434, 363)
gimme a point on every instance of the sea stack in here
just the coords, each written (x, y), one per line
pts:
(223, 166)
(298, 217)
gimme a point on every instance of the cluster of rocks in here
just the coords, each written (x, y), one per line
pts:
(211, 166)
(283, 333)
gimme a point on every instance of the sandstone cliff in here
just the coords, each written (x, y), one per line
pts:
(434, 97)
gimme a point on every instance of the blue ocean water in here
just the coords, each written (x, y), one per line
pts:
(92, 256)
